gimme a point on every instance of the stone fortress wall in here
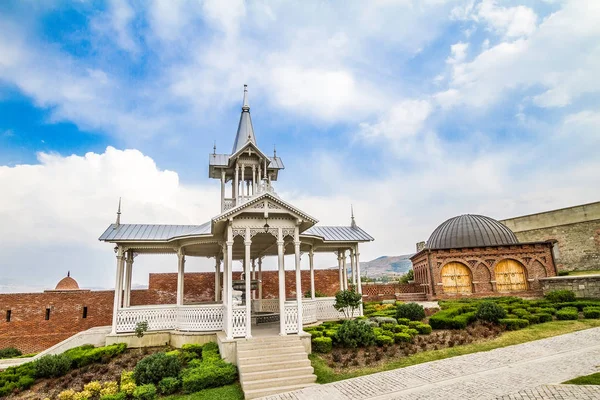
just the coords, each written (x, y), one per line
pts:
(576, 231)
(26, 323)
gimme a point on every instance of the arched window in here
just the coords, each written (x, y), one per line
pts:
(510, 276)
(456, 278)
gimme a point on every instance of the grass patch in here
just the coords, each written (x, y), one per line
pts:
(593, 379)
(539, 331)
(591, 272)
(229, 392)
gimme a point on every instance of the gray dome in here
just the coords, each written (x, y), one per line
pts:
(470, 231)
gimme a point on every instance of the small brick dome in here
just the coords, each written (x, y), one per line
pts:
(470, 231)
(67, 283)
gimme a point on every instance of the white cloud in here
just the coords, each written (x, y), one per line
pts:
(458, 53)
(116, 24)
(404, 120)
(511, 22)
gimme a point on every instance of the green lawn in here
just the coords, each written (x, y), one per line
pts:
(593, 379)
(229, 392)
(592, 272)
(534, 332)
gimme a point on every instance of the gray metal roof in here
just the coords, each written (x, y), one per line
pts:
(150, 232)
(339, 233)
(470, 231)
(276, 163)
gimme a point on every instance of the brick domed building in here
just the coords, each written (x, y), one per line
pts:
(474, 255)
(67, 283)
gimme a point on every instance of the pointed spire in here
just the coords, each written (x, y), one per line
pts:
(215, 148)
(353, 222)
(119, 213)
(245, 132)
(274, 151)
(68, 274)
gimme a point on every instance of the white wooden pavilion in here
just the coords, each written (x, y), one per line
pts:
(254, 223)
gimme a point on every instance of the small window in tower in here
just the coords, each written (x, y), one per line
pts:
(84, 312)
(47, 314)
(8, 312)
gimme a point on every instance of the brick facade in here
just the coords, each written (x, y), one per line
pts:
(536, 260)
(380, 291)
(29, 331)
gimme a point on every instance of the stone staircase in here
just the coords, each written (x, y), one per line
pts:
(272, 365)
(407, 297)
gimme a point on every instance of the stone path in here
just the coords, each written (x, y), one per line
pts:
(522, 371)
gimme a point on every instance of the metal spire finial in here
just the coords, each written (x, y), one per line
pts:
(274, 151)
(353, 222)
(68, 274)
(119, 213)
(215, 148)
(245, 106)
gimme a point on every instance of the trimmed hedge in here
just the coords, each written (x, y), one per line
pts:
(513, 324)
(490, 312)
(560, 296)
(453, 318)
(88, 354)
(155, 367)
(424, 329)
(208, 375)
(51, 366)
(412, 311)
(168, 385)
(543, 317)
(145, 392)
(10, 352)
(322, 345)
(402, 337)
(356, 334)
(383, 340)
(567, 313)
(591, 312)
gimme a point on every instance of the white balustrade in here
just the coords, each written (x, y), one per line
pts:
(325, 309)
(291, 317)
(201, 318)
(266, 305)
(239, 321)
(157, 317)
(228, 204)
(309, 311)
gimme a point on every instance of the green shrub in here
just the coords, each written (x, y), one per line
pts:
(319, 328)
(513, 324)
(532, 318)
(400, 328)
(51, 366)
(209, 375)
(316, 334)
(88, 354)
(548, 310)
(453, 318)
(385, 320)
(412, 311)
(193, 347)
(580, 304)
(402, 337)
(118, 396)
(331, 333)
(520, 312)
(403, 321)
(145, 392)
(413, 324)
(567, 314)
(383, 340)
(591, 312)
(387, 326)
(322, 345)
(543, 317)
(490, 312)
(560, 296)
(412, 332)
(424, 329)
(210, 352)
(356, 334)
(10, 352)
(155, 367)
(25, 382)
(168, 385)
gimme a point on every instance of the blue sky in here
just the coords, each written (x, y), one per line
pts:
(413, 111)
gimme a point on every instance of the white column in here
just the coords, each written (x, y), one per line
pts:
(217, 278)
(118, 287)
(341, 274)
(345, 270)
(280, 244)
(260, 287)
(253, 277)
(180, 276)
(243, 181)
(358, 283)
(127, 286)
(311, 260)
(253, 180)
(248, 279)
(258, 177)
(353, 267)
(236, 187)
(222, 190)
(229, 321)
(225, 285)
(298, 278)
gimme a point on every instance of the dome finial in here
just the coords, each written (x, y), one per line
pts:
(353, 222)
(68, 274)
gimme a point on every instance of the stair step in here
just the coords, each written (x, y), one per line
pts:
(267, 344)
(271, 358)
(272, 366)
(276, 382)
(276, 373)
(268, 339)
(258, 393)
(270, 351)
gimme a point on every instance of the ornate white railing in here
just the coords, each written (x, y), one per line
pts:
(197, 318)
(228, 204)
(266, 305)
(201, 318)
(309, 311)
(162, 317)
(325, 309)
(291, 317)
(239, 321)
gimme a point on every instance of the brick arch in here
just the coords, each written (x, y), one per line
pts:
(482, 277)
(536, 270)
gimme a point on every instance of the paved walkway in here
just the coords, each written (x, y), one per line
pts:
(514, 372)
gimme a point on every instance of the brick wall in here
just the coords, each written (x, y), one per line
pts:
(582, 286)
(29, 331)
(375, 291)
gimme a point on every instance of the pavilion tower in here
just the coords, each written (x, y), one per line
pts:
(247, 168)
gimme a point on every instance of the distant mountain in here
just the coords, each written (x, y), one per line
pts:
(386, 266)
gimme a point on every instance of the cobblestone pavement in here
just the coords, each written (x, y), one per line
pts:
(525, 370)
